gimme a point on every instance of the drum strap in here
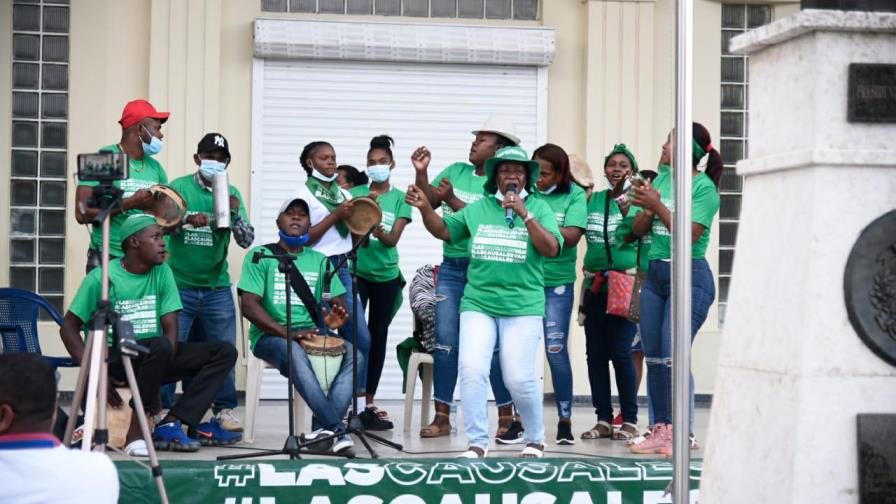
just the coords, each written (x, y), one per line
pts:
(299, 286)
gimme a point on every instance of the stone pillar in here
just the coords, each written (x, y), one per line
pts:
(619, 99)
(185, 75)
(793, 375)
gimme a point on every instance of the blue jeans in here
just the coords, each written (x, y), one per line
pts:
(449, 291)
(518, 339)
(347, 331)
(208, 315)
(656, 328)
(609, 338)
(558, 310)
(328, 408)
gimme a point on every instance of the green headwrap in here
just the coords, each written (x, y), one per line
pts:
(136, 223)
(698, 151)
(622, 149)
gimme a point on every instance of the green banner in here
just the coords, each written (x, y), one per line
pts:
(417, 481)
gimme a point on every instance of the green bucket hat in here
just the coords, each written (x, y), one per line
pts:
(136, 223)
(513, 154)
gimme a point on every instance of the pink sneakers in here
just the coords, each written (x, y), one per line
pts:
(658, 443)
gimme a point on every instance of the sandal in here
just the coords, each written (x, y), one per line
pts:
(532, 450)
(473, 452)
(601, 430)
(435, 430)
(626, 432)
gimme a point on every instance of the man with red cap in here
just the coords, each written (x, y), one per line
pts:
(141, 139)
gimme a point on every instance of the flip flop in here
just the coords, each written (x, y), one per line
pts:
(532, 452)
(433, 431)
(473, 454)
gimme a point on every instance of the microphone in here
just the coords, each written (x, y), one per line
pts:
(327, 279)
(508, 212)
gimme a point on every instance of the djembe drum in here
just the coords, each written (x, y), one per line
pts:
(325, 354)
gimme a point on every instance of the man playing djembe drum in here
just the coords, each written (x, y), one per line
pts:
(263, 302)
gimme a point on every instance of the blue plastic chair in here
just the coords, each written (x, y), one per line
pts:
(19, 310)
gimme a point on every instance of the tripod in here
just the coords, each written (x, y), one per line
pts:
(291, 447)
(94, 373)
(355, 426)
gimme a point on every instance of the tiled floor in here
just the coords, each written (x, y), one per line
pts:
(272, 427)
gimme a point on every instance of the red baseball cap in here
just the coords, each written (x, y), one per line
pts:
(137, 110)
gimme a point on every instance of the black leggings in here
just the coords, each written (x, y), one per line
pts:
(381, 296)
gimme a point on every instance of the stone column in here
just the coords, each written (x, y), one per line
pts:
(185, 75)
(793, 375)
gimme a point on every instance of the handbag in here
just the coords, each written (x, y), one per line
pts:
(619, 283)
(634, 308)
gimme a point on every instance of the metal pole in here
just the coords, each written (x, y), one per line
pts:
(681, 251)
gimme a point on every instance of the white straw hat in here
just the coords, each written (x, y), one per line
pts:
(501, 125)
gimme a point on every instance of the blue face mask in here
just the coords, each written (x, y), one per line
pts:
(209, 167)
(294, 241)
(154, 146)
(379, 173)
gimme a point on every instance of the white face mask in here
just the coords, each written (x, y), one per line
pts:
(549, 190)
(379, 173)
(522, 194)
(320, 176)
(625, 185)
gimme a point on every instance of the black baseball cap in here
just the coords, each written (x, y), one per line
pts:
(213, 142)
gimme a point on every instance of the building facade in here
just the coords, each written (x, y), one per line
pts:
(272, 75)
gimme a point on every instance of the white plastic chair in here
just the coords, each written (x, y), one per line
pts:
(254, 373)
(418, 359)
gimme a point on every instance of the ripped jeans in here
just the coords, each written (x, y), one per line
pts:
(558, 311)
(656, 328)
(449, 291)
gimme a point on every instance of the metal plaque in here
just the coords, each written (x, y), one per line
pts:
(870, 286)
(872, 93)
(877, 458)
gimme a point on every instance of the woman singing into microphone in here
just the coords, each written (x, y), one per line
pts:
(503, 302)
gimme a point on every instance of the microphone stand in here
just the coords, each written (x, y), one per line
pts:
(291, 447)
(355, 426)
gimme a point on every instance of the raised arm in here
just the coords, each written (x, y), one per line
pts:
(421, 158)
(431, 220)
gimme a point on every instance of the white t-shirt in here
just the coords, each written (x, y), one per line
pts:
(331, 243)
(35, 468)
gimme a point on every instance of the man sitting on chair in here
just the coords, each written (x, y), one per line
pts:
(263, 302)
(143, 291)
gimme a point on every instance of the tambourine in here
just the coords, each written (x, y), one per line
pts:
(325, 353)
(168, 206)
(366, 214)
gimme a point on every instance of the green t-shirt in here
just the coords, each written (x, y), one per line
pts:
(569, 210)
(142, 174)
(377, 262)
(623, 254)
(265, 280)
(506, 273)
(468, 187)
(625, 227)
(140, 299)
(199, 256)
(704, 206)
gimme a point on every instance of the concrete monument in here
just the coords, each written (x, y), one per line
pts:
(793, 374)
